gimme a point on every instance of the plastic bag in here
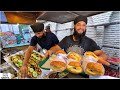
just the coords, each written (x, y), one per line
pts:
(59, 62)
(86, 60)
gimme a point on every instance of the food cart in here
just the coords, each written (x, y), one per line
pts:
(102, 32)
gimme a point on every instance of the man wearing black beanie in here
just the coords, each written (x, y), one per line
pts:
(80, 23)
(78, 42)
(80, 18)
(45, 39)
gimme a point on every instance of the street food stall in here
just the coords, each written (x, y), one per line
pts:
(103, 27)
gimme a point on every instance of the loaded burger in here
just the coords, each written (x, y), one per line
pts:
(94, 69)
(58, 66)
(74, 56)
(60, 52)
(74, 67)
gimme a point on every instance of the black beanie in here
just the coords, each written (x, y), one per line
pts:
(80, 18)
(47, 27)
(37, 27)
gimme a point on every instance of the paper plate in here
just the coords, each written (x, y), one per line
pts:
(42, 63)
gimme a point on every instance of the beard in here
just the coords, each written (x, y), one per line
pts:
(79, 36)
(43, 37)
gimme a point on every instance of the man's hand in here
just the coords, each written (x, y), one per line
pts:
(103, 61)
(23, 71)
(52, 50)
(102, 57)
(48, 53)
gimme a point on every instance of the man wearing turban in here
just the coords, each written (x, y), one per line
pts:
(78, 39)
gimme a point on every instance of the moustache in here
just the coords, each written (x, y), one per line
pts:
(79, 36)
